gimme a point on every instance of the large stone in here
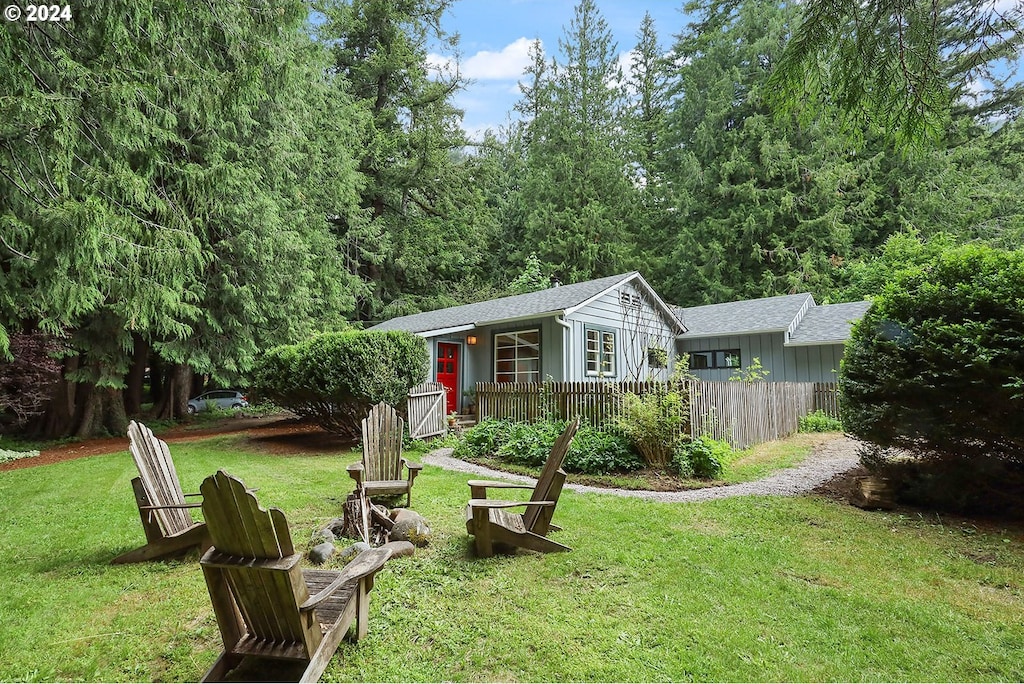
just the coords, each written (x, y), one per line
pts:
(326, 535)
(351, 552)
(321, 552)
(400, 548)
(337, 527)
(412, 528)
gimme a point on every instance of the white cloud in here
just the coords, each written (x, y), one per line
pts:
(509, 64)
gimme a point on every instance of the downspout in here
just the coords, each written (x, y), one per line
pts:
(566, 341)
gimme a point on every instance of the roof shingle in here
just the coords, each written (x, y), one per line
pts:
(545, 302)
(828, 323)
(742, 318)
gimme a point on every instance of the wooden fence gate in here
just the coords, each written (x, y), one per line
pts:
(426, 410)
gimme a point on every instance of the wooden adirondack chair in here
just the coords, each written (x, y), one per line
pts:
(265, 604)
(490, 522)
(380, 471)
(168, 525)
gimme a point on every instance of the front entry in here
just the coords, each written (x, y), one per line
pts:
(448, 373)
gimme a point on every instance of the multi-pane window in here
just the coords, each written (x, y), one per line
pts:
(721, 358)
(517, 356)
(600, 353)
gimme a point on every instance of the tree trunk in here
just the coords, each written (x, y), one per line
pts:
(91, 413)
(115, 420)
(156, 380)
(59, 417)
(173, 403)
(136, 377)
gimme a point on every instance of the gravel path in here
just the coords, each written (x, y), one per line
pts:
(828, 460)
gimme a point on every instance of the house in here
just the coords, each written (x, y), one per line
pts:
(619, 328)
(612, 328)
(794, 339)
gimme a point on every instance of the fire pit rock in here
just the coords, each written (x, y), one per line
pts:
(409, 526)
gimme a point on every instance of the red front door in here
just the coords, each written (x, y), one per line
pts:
(448, 372)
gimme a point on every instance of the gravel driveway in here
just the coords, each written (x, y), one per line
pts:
(828, 460)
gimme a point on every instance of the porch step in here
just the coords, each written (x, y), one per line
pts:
(465, 420)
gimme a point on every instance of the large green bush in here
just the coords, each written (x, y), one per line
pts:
(933, 375)
(336, 377)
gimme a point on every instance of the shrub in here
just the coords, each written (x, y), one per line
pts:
(483, 439)
(819, 421)
(702, 457)
(336, 377)
(653, 422)
(529, 444)
(6, 456)
(935, 370)
(27, 377)
(592, 452)
(597, 452)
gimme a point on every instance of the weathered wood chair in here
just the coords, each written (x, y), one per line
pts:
(265, 604)
(380, 471)
(490, 522)
(169, 527)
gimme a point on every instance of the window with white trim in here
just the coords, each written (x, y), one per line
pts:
(600, 353)
(517, 356)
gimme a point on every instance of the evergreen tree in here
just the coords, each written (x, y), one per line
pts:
(577, 192)
(420, 231)
(903, 65)
(160, 206)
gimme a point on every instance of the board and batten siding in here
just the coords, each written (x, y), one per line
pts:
(606, 313)
(811, 363)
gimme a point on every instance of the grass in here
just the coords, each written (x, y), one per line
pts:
(751, 588)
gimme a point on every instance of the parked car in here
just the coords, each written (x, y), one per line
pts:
(225, 399)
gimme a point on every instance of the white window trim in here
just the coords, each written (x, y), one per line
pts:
(612, 357)
(515, 360)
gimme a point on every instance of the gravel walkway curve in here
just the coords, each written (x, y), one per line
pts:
(830, 459)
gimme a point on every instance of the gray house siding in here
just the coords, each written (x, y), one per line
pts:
(812, 363)
(477, 360)
(606, 313)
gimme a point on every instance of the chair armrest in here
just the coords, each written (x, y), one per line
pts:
(494, 484)
(412, 465)
(355, 471)
(366, 563)
(478, 488)
(196, 494)
(494, 503)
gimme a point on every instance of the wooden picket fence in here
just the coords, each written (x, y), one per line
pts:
(741, 413)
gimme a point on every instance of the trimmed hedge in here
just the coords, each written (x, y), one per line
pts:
(336, 377)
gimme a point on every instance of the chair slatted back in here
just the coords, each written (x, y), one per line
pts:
(238, 525)
(159, 478)
(267, 598)
(548, 482)
(382, 443)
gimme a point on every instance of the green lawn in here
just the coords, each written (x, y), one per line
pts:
(792, 589)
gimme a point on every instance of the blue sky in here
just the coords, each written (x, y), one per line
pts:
(496, 35)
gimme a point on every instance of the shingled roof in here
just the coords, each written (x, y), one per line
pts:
(829, 323)
(549, 302)
(769, 314)
(805, 322)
